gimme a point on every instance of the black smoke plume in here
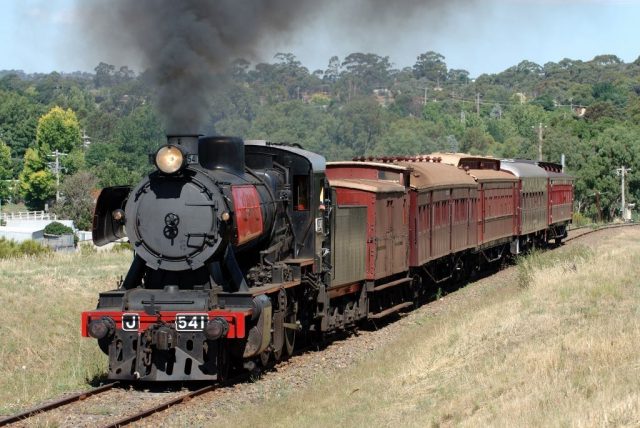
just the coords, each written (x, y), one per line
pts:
(185, 45)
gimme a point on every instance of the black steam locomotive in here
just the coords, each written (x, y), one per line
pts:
(223, 232)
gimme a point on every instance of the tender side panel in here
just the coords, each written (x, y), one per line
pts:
(387, 226)
(349, 246)
(352, 197)
(246, 202)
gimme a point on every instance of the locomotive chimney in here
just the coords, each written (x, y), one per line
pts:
(188, 143)
(221, 153)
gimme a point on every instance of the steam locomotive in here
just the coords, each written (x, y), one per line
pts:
(240, 246)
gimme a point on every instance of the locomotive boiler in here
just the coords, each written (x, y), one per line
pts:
(221, 231)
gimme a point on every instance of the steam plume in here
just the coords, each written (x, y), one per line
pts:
(186, 44)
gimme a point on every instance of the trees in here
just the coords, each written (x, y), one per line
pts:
(333, 112)
(78, 202)
(407, 136)
(359, 125)
(18, 119)
(37, 185)
(58, 130)
(431, 66)
(6, 173)
(365, 72)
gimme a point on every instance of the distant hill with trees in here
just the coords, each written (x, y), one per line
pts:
(105, 124)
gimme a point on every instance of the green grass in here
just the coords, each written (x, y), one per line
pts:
(41, 351)
(528, 265)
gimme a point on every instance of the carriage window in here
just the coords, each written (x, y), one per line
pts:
(301, 192)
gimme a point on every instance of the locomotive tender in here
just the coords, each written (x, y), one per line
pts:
(238, 246)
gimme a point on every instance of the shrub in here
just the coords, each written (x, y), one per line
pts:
(32, 248)
(87, 249)
(10, 248)
(57, 229)
(120, 247)
(580, 220)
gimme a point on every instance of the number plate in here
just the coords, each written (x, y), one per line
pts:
(191, 322)
(130, 322)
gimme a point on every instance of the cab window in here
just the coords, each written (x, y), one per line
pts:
(301, 192)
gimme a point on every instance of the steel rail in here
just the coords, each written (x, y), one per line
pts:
(610, 226)
(163, 406)
(55, 404)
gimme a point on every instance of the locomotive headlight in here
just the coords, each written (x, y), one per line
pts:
(170, 159)
(118, 215)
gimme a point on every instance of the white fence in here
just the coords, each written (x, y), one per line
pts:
(28, 215)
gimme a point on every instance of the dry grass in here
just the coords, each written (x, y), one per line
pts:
(557, 347)
(41, 351)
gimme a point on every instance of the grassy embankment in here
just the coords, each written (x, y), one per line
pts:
(41, 297)
(550, 342)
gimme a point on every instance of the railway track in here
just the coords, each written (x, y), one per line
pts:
(587, 230)
(162, 406)
(56, 404)
(25, 417)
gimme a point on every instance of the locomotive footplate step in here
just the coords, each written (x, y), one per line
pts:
(392, 284)
(389, 311)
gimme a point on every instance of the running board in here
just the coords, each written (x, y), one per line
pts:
(392, 284)
(389, 311)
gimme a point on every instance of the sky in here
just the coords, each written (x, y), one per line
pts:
(480, 36)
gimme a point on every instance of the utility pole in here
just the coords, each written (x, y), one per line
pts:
(539, 128)
(622, 171)
(478, 104)
(425, 97)
(56, 170)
